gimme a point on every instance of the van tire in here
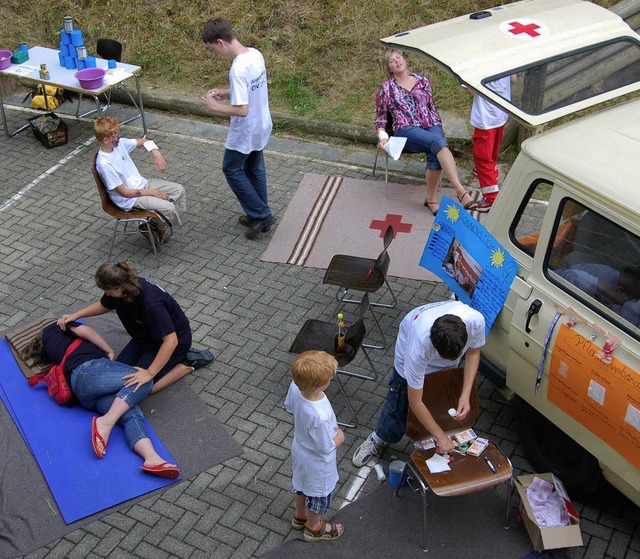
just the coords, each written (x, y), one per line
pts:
(551, 450)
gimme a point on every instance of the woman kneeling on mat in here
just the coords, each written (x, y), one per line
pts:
(159, 329)
(97, 383)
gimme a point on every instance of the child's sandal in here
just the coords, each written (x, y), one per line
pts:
(326, 531)
(298, 523)
(469, 205)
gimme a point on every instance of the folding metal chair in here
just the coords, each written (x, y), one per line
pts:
(322, 336)
(363, 274)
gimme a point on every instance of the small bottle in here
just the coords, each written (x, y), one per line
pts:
(44, 73)
(341, 333)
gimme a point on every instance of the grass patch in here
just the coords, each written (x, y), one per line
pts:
(323, 58)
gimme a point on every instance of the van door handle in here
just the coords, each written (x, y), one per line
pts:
(533, 310)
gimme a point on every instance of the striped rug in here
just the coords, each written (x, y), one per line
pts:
(336, 215)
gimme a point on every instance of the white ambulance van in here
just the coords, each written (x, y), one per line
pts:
(567, 341)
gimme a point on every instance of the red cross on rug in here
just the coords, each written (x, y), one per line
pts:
(395, 221)
(530, 29)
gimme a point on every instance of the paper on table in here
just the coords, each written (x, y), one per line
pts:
(116, 75)
(394, 146)
(437, 464)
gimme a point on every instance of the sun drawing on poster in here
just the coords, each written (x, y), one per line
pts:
(452, 213)
(497, 258)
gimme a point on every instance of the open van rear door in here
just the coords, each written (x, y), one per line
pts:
(567, 54)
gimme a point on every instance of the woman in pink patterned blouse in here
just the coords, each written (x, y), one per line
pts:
(404, 103)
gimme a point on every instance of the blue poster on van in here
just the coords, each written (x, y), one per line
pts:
(473, 264)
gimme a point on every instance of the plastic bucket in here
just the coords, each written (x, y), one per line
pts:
(5, 59)
(91, 78)
(395, 473)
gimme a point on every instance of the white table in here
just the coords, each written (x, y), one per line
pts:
(61, 77)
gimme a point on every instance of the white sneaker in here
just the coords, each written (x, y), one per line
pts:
(364, 452)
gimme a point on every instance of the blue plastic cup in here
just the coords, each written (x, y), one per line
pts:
(112, 63)
(395, 473)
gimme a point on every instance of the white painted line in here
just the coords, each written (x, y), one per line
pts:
(353, 492)
(7, 204)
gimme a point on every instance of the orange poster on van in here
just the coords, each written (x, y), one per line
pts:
(604, 397)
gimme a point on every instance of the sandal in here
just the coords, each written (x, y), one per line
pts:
(298, 523)
(469, 205)
(429, 204)
(326, 531)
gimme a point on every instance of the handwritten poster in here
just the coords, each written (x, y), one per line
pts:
(469, 260)
(605, 398)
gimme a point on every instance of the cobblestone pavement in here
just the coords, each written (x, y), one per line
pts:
(54, 234)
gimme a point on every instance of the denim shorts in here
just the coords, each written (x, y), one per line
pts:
(319, 505)
(425, 140)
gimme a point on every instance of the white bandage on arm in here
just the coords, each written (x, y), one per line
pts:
(150, 145)
(382, 135)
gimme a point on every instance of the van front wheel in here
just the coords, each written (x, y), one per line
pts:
(551, 450)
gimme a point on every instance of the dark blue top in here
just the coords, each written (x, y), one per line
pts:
(56, 342)
(152, 315)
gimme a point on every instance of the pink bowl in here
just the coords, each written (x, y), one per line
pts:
(5, 59)
(91, 78)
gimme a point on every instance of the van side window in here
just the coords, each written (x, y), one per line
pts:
(526, 226)
(598, 260)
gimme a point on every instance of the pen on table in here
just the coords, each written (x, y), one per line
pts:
(491, 466)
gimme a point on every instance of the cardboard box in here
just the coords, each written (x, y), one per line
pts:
(549, 538)
(478, 446)
(467, 436)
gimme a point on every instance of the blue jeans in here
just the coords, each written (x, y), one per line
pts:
(133, 354)
(247, 177)
(425, 140)
(98, 382)
(393, 420)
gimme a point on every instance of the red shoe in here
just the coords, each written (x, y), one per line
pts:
(99, 446)
(164, 470)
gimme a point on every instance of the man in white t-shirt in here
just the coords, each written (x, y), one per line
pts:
(249, 124)
(432, 337)
(488, 122)
(126, 187)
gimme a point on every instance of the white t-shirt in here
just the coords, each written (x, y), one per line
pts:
(248, 83)
(313, 452)
(486, 115)
(118, 168)
(415, 356)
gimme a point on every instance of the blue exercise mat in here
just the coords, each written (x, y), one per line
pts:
(59, 438)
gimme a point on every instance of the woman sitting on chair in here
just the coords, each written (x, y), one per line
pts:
(405, 101)
(98, 384)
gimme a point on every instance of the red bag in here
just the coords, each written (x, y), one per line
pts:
(55, 379)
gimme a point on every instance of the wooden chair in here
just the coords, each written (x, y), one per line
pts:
(321, 336)
(138, 217)
(363, 274)
(468, 474)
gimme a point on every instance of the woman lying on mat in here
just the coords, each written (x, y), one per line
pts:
(97, 383)
(405, 105)
(159, 329)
